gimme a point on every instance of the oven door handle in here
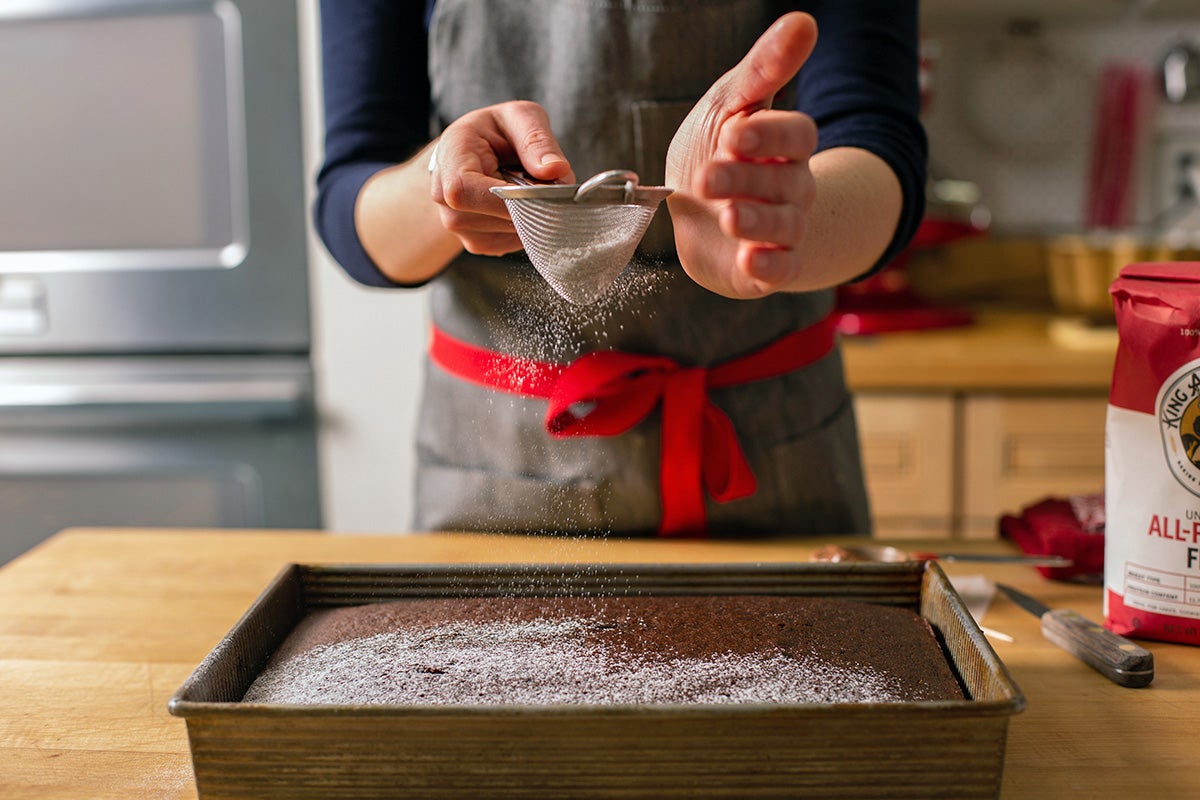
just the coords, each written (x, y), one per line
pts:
(213, 399)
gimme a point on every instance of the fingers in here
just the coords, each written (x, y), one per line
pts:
(764, 178)
(491, 244)
(526, 129)
(471, 151)
(472, 213)
(766, 202)
(766, 269)
(467, 192)
(767, 182)
(767, 134)
(781, 225)
(773, 60)
(481, 233)
(466, 166)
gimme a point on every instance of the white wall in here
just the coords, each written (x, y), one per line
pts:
(367, 350)
(1017, 115)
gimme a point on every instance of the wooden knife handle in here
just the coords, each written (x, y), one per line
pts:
(1113, 656)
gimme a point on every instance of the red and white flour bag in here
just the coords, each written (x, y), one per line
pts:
(1152, 456)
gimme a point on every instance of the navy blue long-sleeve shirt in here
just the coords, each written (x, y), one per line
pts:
(859, 86)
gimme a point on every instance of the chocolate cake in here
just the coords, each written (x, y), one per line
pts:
(608, 650)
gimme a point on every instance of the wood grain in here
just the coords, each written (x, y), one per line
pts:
(1004, 351)
(98, 628)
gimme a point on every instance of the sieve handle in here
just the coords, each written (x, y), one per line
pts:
(517, 176)
(612, 176)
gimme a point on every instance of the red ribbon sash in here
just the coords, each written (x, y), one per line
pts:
(607, 392)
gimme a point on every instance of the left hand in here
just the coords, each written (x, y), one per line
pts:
(741, 171)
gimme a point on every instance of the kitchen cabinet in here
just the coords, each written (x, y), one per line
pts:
(949, 465)
(1084, 10)
(908, 445)
(960, 426)
(1016, 450)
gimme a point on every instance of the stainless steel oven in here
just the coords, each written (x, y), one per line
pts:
(154, 319)
(151, 177)
(216, 441)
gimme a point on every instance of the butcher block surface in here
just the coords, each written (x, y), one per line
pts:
(99, 627)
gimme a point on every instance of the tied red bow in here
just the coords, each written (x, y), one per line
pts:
(700, 449)
(607, 392)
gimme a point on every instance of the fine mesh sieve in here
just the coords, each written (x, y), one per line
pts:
(581, 236)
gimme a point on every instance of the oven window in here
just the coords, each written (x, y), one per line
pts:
(122, 133)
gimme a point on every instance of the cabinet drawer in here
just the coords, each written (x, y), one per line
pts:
(907, 444)
(1018, 450)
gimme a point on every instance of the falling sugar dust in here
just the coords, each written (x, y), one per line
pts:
(535, 325)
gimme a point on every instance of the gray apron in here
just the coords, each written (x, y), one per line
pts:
(617, 78)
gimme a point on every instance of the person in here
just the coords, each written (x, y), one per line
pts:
(704, 395)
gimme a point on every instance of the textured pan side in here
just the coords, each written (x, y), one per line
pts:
(785, 753)
(885, 584)
(229, 669)
(980, 669)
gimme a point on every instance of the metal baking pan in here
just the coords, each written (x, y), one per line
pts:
(860, 750)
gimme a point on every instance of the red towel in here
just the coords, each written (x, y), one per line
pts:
(1070, 527)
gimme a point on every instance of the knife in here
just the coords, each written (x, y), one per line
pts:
(1113, 656)
(998, 558)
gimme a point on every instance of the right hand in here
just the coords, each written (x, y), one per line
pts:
(741, 171)
(468, 158)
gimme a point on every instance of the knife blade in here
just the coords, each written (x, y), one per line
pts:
(998, 558)
(1121, 661)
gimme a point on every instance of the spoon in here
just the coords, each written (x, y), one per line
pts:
(886, 553)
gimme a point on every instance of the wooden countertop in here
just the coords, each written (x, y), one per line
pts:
(1003, 351)
(99, 627)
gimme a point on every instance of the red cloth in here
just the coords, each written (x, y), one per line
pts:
(607, 392)
(1053, 527)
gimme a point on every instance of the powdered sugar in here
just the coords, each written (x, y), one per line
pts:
(550, 329)
(550, 661)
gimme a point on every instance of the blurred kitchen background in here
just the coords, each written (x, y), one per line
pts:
(177, 349)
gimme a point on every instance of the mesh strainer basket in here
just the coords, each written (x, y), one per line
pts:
(581, 236)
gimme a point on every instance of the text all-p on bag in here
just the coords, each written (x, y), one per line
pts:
(1152, 456)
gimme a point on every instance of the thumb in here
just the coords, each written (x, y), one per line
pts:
(526, 126)
(773, 61)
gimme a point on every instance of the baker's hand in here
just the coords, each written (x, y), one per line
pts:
(466, 164)
(741, 172)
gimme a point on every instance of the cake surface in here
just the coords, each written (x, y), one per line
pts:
(608, 650)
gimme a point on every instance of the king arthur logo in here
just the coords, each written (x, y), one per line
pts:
(1179, 423)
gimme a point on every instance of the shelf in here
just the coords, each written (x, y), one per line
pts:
(1004, 351)
(1083, 10)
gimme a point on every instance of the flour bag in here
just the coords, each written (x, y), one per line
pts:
(1152, 456)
